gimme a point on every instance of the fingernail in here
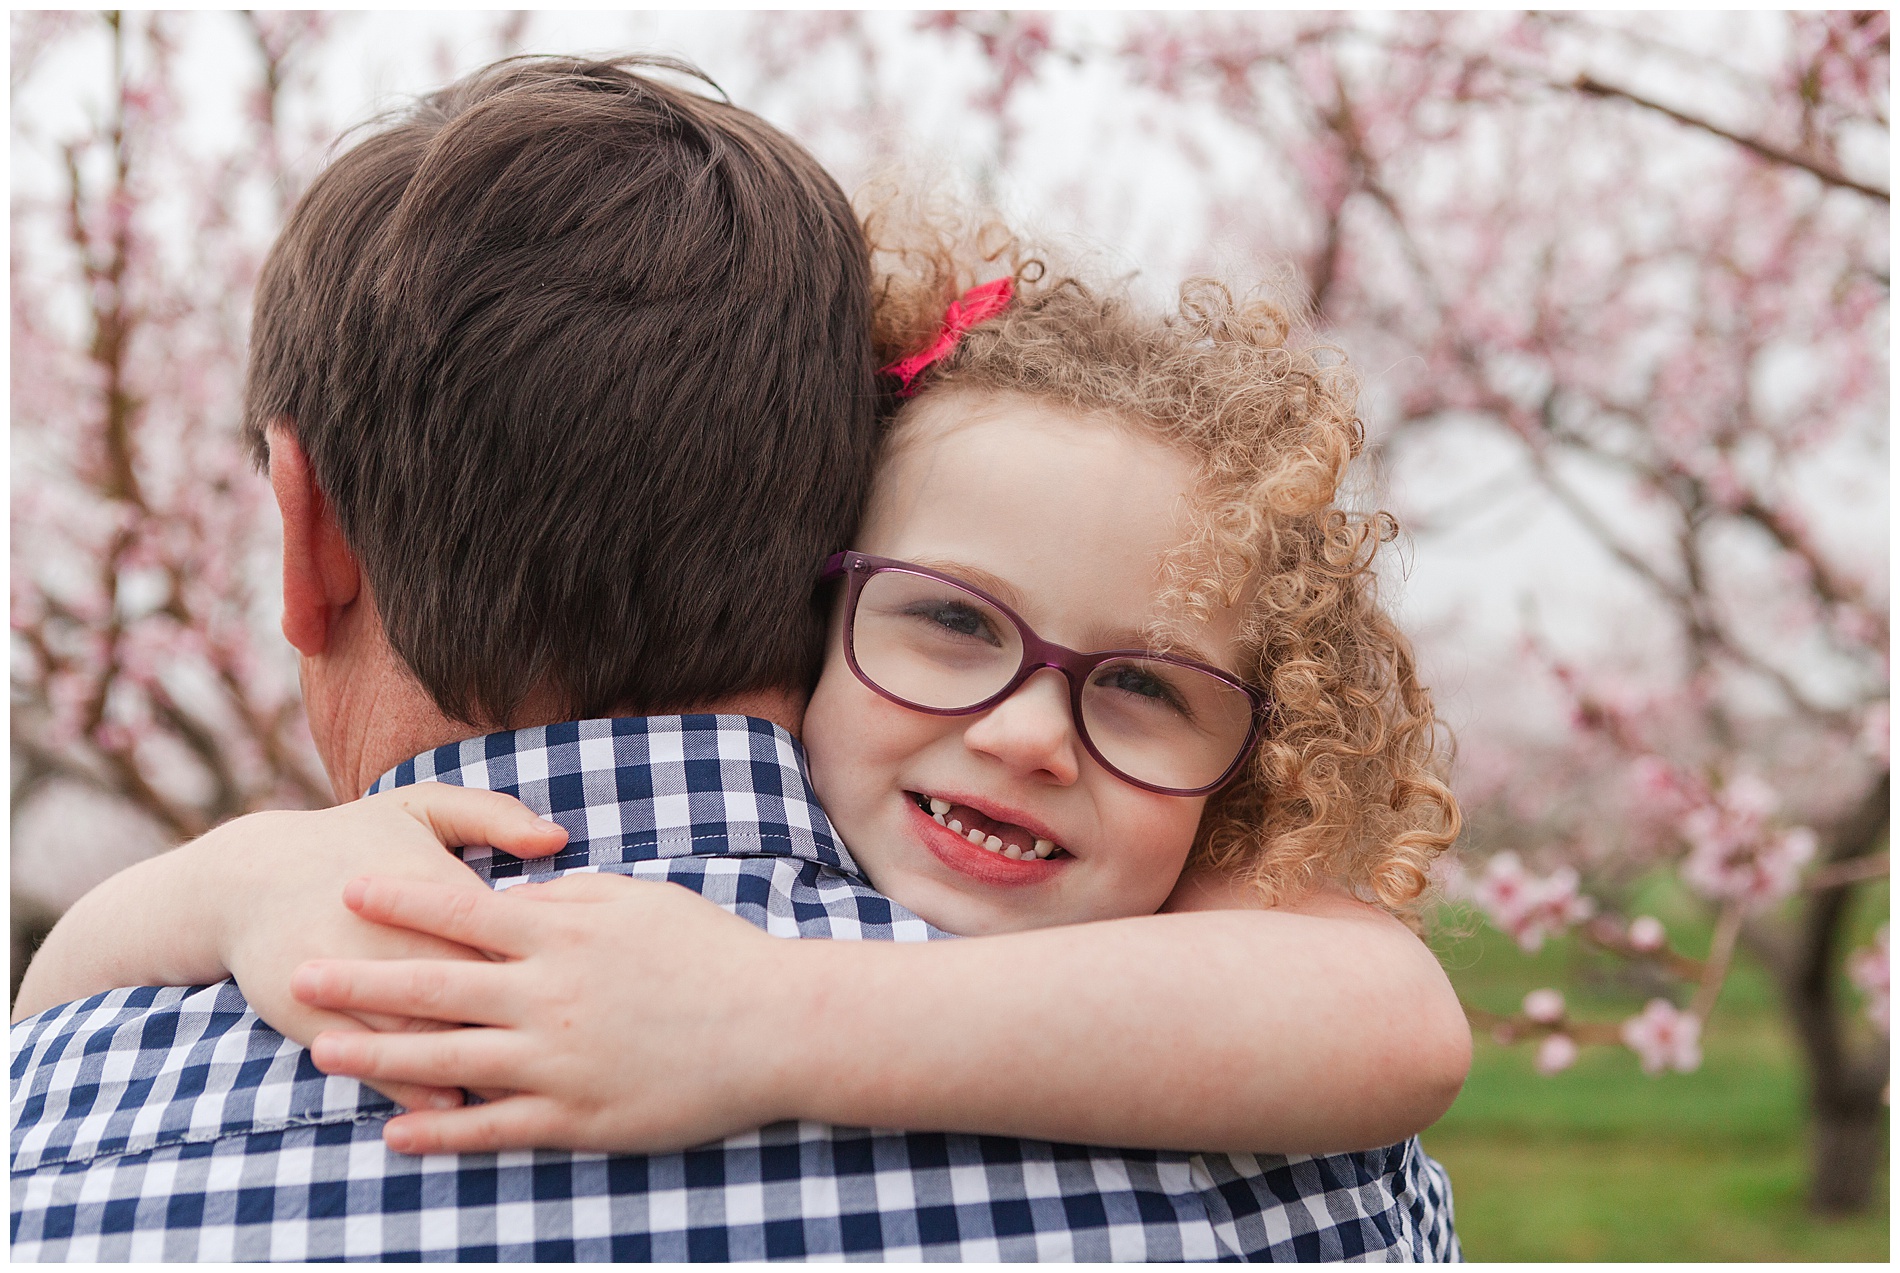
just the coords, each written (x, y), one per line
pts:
(550, 822)
(444, 1100)
(353, 891)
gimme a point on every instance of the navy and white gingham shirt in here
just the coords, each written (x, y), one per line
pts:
(171, 1123)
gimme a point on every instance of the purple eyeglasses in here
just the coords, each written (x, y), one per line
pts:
(932, 643)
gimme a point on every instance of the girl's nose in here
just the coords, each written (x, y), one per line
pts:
(1032, 730)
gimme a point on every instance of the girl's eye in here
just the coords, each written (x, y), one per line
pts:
(1142, 683)
(956, 618)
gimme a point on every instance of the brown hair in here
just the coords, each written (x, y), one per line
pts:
(582, 361)
(1348, 784)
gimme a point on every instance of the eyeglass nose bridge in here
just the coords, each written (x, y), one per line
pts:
(1075, 667)
(1024, 674)
(1039, 653)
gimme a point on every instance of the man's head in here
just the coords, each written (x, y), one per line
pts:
(579, 365)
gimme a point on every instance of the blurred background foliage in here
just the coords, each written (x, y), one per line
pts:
(1604, 1162)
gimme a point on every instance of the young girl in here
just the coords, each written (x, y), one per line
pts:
(1106, 645)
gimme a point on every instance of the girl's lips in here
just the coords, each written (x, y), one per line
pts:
(981, 865)
(995, 812)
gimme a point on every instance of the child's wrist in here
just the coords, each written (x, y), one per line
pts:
(217, 884)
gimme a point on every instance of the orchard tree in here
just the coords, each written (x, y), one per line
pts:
(145, 668)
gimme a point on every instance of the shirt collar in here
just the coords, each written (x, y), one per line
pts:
(638, 788)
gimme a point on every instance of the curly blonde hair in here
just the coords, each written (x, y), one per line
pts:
(1347, 786)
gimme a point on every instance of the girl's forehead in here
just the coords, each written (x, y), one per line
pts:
(955, 409)
(1082, 514)
(966, 448)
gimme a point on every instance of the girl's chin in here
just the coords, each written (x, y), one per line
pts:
(963, 915)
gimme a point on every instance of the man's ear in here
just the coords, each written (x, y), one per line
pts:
(321, 575)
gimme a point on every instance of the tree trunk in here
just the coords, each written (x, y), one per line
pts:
(1847, 1109)
(1848, 1147)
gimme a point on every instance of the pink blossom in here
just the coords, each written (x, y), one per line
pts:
(1759, 873)
(1665, 1038)
(1870, 970)
(1658, 781)
(1876, 731)
(1557, 1053)
(1646, 933)
(1546, 1006)
(1857, 625)
(1528, 907)
(1733, 855)
(112, 736)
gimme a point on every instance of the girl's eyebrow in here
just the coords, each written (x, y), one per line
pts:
(1156, 642)
(998, 587)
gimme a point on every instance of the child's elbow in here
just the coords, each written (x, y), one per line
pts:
(1418, 1042)
(1445, 1060)
(1432, 1052)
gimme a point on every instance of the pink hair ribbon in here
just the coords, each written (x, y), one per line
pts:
(984, 301)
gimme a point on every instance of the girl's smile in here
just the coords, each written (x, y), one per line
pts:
(1001, 820)
(986, 846)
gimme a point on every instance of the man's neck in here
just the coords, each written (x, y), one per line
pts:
(784, 708)
(385, 718)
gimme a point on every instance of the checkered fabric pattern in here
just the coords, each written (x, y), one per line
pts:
(170, 1123)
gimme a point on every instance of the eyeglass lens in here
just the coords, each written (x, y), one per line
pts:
(935, 645)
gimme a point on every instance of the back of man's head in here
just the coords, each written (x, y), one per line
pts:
(582, 363)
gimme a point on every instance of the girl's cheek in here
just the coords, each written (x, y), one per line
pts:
(828, 742)
(853, 739)
(1158, 851)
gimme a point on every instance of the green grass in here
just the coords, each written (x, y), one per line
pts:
(1603, 1162)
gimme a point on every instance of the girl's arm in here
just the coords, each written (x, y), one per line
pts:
(260, 894)
(1317, 1028)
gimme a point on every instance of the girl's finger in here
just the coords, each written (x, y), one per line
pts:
(407, 1095)
(514, 1122)
(451, 1058)
(459, 992)
(466, 815)
(581, 886)
(416, 1096)
(472, 916)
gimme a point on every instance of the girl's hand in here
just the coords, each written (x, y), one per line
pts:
(639, 1017)
(608, 983)
(279, 876)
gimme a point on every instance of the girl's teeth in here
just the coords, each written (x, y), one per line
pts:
(983, 840)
